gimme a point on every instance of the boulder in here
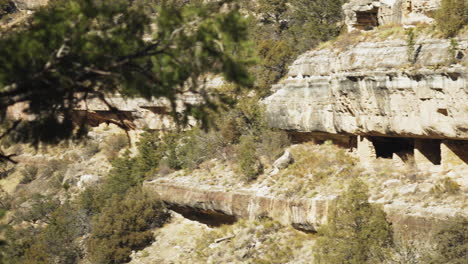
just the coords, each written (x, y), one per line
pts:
(284, 161)
(87, 180)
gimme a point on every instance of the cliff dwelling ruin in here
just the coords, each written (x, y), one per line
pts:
(368, 14)
(363, 99)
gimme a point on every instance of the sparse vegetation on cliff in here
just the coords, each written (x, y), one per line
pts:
(262, 241)
(284, 29)
(65, 206)
(123, 225)
(451, 17)
(451, 243)
(357, 231)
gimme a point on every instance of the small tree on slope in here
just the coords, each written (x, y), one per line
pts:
(357, 231)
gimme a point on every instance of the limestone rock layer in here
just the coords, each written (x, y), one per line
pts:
(376, 89)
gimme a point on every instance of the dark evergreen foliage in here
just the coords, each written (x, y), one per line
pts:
(357, 231)
(451, 17)
(125, 225)
(78, 49)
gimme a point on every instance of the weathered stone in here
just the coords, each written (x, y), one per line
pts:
(303, 213)
(283, 161)
(409, 222)
(391, 183)
(30, 4)
(87, 180)
(408, 189)
(367, 91)
(367, 14)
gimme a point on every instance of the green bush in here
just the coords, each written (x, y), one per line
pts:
(357, 232)
(40, 208)
(247, 159)
(18, 241)
(29, 174)
(6, 6)
(451, 243)
(196, 148)
(451, 17)
(114, 143)
(56, 243)
(169, 148)
(272, 144)
(410, 43)
(54, 167)
(125, 225)
(149, 154)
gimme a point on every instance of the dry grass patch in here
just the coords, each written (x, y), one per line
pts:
(260, 241)
(315, 166)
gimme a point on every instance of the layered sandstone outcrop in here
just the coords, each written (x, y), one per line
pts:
(306, 214)
(409, 221)
(370, 89)
(367, 14)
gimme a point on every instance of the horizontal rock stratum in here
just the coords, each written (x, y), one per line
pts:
(373, 89)
(306, 214)
(409, 221)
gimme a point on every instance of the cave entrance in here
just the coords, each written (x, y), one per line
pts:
(367, 20)
(385, 147)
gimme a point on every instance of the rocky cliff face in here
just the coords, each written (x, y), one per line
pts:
(372, 89)
(306, 214)
(409, 222)
(366, 14)
(29, 4)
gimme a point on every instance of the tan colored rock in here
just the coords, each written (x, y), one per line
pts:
(409, 221)
(30, 4)
(369, 90)
(306, 214)
(367, 14)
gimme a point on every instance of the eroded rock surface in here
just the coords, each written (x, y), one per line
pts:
(366, 14)
(30, 4)
(370, 89)
(305, 214)
(409, 221)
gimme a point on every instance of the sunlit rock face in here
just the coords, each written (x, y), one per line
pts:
(29, 4)
(372, 89)
(217, 205)
(367, 14)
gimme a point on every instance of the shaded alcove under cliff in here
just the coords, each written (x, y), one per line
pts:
(423, 153)
(208, 217)
(386, 147)
(95, 118)
(367, 20)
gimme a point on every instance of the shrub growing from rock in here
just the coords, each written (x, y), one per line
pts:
(29, 174)
(247, 159)
(357, 232)
(451, 243)
(125, 225)
(451, 17)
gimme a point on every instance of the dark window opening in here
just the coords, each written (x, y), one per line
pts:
(367, 20)
(442, 111)
(430, 148)
(385, 147)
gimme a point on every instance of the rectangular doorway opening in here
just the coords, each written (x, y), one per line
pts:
(367, 20)
(385, 147)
